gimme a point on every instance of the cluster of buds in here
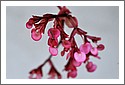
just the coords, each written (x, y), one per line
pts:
(76, 56)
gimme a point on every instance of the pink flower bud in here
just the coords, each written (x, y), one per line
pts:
(53, 33)
(72, 74)
(28, 25)
(35, 34)
(91, 67)
(71, 22)
(100, 47)
(77, 64)
(80, 57)
(66, 44)
(94, 51)
(52, 42)
(53, 51)
(85, 48)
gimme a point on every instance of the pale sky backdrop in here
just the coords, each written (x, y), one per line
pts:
(24, 54)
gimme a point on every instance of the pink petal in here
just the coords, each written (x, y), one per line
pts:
(53, 51)
(80, 57)
(52, 42)
(36, 35)
(85, 48)
(89, 65)
(66, 44)
(28, 25)
(72, 74)
(100, 47)
(94, 51)
(93, 68)
(53, 33)
(77, 64)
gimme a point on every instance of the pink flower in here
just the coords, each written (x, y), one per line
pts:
(29, 24)
(66, 44)
(53, 51)
(36, 34)
(52, 42)
(72, 74)
(76, 64)
(100, 47)
(80, 56)
(94, 51)
(53, 73)
(85, 48)
(91, 67)
(36, 74)
(53, 33)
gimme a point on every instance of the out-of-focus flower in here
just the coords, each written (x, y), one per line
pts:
(100, 47)
(91, 67)
(36, 74)
(72, 74)
(53, 72)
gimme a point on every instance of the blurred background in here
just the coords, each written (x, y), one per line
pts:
(24, 54)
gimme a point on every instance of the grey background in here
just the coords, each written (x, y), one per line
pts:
(24, 54)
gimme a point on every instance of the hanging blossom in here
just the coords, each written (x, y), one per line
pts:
(76, 56)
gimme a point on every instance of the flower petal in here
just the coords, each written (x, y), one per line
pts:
(100, 47)
(79, 57)
(85, 48)
(36, 35)
(53, 51)
(94, 51)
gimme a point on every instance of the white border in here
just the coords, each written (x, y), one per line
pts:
(61, 3)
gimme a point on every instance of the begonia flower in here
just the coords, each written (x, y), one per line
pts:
(100, 47)
(94, 51)
(53, 33)
(79, 56)
(91, 67)
(85, 48)
(36, 34)
(72, 74)
(53, 51)
(36, 74)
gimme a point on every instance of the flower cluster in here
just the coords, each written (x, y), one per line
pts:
(76, 56)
